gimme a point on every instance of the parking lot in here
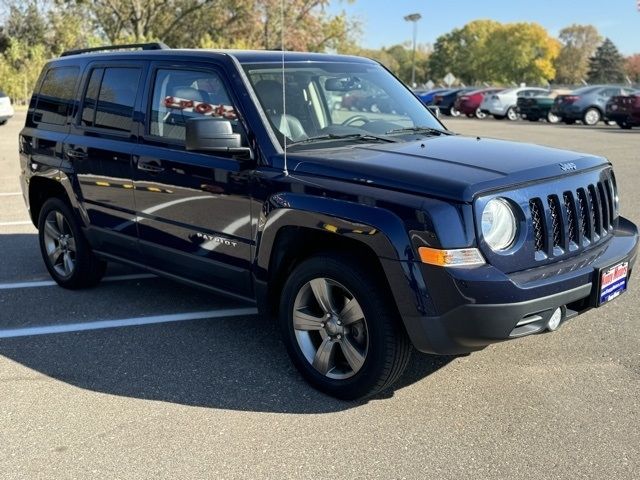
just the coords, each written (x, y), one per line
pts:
(184, 384)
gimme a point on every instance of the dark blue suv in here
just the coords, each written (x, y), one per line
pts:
(365, 234)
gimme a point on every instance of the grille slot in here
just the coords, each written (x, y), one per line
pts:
(594, 205)
(609, 190)
(537, 221)
(572, 224)
(604, 203)
(556, 220)
(583, 211)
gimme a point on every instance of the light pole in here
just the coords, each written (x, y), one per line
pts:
(414, 17)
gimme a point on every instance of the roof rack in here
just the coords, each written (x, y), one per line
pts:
(143, 46)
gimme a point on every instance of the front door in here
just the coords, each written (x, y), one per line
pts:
(193, 209)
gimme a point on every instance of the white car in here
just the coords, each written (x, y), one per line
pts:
(503, 104)
(6, 110)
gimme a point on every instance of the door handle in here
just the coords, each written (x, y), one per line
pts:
(151, 166)
(76, 154)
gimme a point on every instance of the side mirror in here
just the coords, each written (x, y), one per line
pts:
(208, 134)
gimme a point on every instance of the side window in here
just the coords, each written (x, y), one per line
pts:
(116, 98)
(55, 98)
(91, 98)
(179, 95)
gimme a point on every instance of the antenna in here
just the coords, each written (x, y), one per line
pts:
(284, 88)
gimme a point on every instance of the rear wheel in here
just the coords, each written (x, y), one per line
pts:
(551, 118)
(480, 114)
(454, 112)
(65, 251)
(512, 114)
(341, 328)
(591, 117)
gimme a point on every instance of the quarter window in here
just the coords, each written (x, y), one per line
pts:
(179, 95)
(56, 95)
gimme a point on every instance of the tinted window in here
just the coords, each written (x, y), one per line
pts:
(116, 98)
(91, 98)
(182, 94)
(56, 95)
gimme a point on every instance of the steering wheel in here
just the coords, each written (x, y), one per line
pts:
(355, 118)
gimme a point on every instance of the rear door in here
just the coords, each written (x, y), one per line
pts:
(193, 209)
(100, 146)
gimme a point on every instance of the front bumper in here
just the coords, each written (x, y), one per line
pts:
(479, 306)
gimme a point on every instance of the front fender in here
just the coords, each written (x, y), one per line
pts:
(381, 230)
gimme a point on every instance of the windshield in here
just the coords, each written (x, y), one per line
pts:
(339, 100)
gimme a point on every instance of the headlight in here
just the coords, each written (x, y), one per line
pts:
(499, 225)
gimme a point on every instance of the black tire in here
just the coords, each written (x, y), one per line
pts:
(2, 122)
(389, 348)
(624, 125)
(88, 270)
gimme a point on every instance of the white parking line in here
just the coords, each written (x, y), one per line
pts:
(50, 283)
(125, 322)
(10, 194)
(22, 222)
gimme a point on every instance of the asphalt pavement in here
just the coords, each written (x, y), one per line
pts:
(181, 383)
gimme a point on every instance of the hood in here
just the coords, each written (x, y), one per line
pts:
(452, 167)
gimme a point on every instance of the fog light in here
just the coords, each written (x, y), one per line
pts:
(554, 321)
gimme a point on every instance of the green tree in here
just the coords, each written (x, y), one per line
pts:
(463, 52)
(579, 42)
(521, 52)
(607, 64)
(398, 59)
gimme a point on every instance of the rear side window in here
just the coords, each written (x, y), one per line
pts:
(55, 98)
(179, 95)
(110, 98)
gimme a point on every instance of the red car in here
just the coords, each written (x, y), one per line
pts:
(469, 103)
(625, 110)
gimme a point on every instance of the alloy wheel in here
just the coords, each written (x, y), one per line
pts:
(60, 244)
(330, 328)
(592, 116)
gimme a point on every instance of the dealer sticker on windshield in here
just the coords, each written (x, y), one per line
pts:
(613, 282)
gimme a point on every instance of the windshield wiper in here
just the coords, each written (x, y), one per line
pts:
(350, 136)
(429, 130)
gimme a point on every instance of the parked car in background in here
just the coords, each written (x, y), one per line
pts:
(503, 104)
(587, 104)
(469, 103)
(445, 101)
(427, 97)
(625, 110)
(539, 106)
(6, 109)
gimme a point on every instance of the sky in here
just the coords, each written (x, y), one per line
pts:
(383, 24)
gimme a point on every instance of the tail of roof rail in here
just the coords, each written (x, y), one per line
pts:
(143, 46)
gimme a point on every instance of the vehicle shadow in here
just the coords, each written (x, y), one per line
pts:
(233, 363)
(237, 364)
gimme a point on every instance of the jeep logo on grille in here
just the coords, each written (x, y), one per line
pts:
(565, 167)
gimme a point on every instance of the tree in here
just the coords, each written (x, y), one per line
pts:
(632, 67)
(398, 59)
(607, 64)
(463, 52)
(521, 52)
(579, 43)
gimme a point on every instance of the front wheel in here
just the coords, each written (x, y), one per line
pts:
(480, 114)
(454, 112)
(512, 114)
(591, 116)
(341, 328)
(65, 251)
